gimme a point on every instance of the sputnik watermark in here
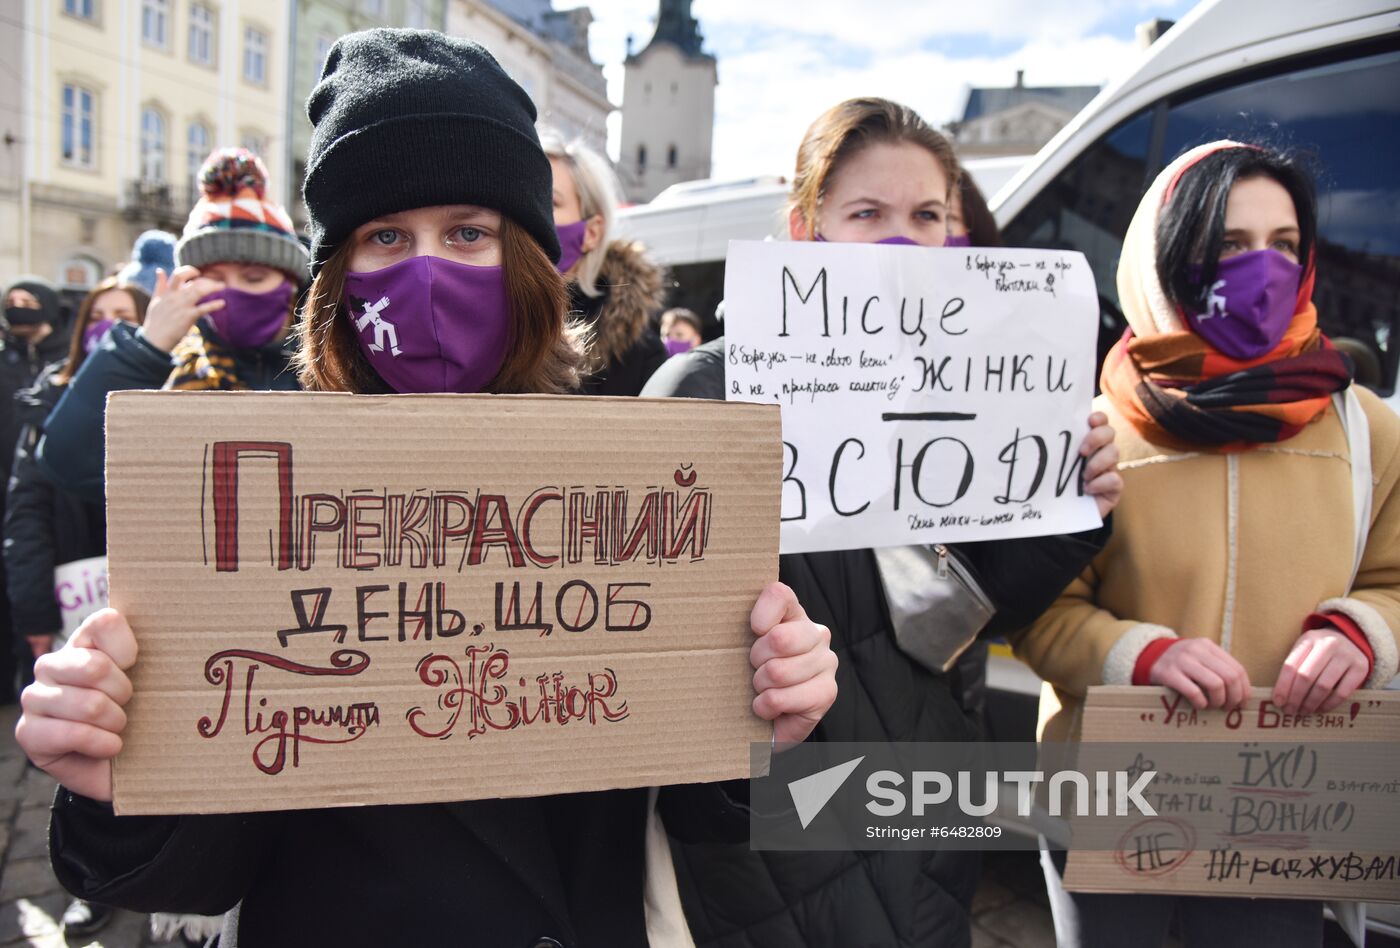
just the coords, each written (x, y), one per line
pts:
(1117, 797)
(1113, 792)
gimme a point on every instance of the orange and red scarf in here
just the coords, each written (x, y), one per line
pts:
(1180, 392)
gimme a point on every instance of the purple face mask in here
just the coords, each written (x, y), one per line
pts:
(676, 347)
(570, 244)
(431, 325)
(958, 240)
(1250, 305)
(250, 320)
(94, 333)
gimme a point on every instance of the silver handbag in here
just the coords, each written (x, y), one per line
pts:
(936, 605)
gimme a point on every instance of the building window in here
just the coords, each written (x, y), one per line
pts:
(641, 157)
(155, 22)
(201, 35)
(80, 273)
(671, 157)
(197, 149)
(152, 145)
(82, 9)
(254, 142)
(372, 7)
(78, 130)
(255, 56)
(416, 15)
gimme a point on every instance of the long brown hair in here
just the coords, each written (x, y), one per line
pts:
(542, 356)
(843, 130)
(77, 353)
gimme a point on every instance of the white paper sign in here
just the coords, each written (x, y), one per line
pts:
(81, 589)
(928, 395)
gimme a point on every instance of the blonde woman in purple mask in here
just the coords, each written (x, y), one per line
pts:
(615, 290)
(433, 249)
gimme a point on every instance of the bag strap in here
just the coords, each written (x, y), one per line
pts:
(1358, 432)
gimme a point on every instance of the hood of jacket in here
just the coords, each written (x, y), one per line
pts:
(633, 290)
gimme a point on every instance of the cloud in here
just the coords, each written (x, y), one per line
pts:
(781, 64)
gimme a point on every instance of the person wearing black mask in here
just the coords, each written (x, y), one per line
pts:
(30, 341)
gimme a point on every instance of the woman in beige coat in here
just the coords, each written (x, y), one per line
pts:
(1233, 551)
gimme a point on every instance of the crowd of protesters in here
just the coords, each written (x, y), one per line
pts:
(427, 173)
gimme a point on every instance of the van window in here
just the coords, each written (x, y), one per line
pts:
(1346, 116)
(1088, 207)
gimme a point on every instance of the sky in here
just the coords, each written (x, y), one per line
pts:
(783, 62)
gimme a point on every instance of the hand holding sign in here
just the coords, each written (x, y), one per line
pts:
(1101, 478)
(1320, 673)
(795, 680)
(73, 718)
(1203, 673)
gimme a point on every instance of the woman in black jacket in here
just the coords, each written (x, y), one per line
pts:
(549, 871)
(615, 290)
(46, 526)
(869, 171)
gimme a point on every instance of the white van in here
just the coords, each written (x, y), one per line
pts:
(1323, 77)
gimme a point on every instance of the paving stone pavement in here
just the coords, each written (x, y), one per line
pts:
(31, 900)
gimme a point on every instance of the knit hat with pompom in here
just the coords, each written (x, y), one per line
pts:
(235, 222)
(153, 250)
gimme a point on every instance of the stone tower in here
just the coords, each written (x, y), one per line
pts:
(668, 106)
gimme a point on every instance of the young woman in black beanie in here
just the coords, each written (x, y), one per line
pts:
(433, 251)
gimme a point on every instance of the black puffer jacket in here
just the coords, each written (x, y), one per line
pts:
(71, 451)
(45, 526)
(736, 898)
(20, 366)
(625, 349)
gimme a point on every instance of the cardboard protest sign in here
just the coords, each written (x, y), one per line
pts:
(345, 600)
(1245, 800)
(927, 394)
(80, 587)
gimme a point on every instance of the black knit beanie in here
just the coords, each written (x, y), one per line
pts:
(412, 118)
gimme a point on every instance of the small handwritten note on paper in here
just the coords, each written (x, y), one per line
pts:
(1252, 802)
(927, 394)
(345, 600)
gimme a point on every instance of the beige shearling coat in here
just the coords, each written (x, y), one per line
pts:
(1240, 548)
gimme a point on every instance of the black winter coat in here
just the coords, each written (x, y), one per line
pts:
(625, 349)
(534, 873)
(20, 367)
(72, 450)
(45, 526)
(736, 898)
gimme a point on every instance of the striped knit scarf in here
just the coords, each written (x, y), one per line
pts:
(203, 365)
(1179, 392)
